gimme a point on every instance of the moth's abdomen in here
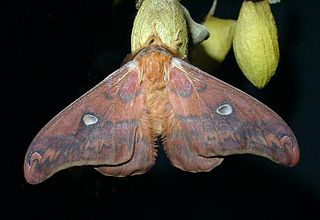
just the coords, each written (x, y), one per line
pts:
(157, 110)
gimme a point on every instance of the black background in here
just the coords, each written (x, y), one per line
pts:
(54, 51)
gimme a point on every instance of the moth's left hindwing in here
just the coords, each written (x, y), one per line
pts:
(100, 128)
(214, 119)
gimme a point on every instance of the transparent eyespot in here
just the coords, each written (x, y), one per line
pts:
(224, 109)
(89, 119)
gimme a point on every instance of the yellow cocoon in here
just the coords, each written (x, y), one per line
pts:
(255, 42)
(212, 51)
(164, 18)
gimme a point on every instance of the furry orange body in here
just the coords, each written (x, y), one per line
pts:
(153, 70)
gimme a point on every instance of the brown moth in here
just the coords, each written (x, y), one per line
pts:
(200, 119)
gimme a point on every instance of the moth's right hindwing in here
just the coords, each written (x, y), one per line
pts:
(100, 128)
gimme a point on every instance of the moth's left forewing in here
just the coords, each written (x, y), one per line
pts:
(216, 119)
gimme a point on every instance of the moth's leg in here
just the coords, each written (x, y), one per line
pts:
(176, 42)
(154, 38)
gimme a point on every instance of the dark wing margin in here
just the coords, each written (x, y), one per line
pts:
(214, 119)
(102, 127)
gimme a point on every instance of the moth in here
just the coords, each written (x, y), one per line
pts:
(200, 120)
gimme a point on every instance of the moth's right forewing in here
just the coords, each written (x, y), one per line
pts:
(100, 128)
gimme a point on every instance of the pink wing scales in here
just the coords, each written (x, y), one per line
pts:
(214, 119)
(141, 161)
(100, 128)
